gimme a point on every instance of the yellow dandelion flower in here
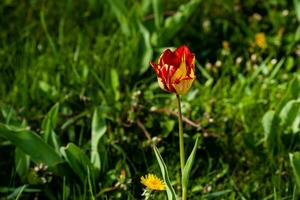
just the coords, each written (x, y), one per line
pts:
(152, 182)
(260, 40)
(225, 44)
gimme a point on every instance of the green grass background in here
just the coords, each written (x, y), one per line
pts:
(77, 94)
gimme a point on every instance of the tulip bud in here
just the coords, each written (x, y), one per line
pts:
(175, 70)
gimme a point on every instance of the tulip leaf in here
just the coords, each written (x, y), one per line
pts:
(188, 166)
(31, 144)
(295, 163)
(164, 171)
(77, 160)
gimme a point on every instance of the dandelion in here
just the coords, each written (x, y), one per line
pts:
(152, 182)
(260, 40)
(225, 44)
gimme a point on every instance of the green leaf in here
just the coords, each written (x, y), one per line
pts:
(16, 194)
(31, 144)
(297, 9)
(263, 66)
(50, 39)
(158, 13)
(276, 69)
(147, 48)
(188, 166)
(218, 194)
(271, 127)
(120, 11)
(115, 83)
(295, 163)
(145, 6)
(22, 163)
(10, 115)
(164, 171)
(48, 126)
(175, 22)
(77, 160)
(289, 113)
(98, 129)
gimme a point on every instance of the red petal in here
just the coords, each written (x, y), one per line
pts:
(170, 58)
(155, 67)
(166, 73)
(184, 52)
(180, 51)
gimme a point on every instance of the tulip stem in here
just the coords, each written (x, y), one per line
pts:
(181, 143)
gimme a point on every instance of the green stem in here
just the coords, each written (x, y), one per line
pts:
(181, 143)
(183, 193)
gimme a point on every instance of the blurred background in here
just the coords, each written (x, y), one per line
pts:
(79, 102)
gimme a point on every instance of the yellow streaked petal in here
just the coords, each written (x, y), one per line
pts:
(192, 74)
(180, 72)
(183, 86)
(160, 83)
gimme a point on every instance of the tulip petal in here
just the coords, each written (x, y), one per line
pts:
(180, 73)
(165, 73)
(169, 57)
(161, 83)
(156, 67)
(183, 86)
(184, 51)
(175, 70)
(192, 74)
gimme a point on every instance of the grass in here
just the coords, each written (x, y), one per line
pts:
(76, 74)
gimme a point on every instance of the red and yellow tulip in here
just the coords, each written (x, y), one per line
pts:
(175, 70)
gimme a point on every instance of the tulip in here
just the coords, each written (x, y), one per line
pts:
(175, 70)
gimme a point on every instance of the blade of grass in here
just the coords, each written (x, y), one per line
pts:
(48, 126)
(120, 11)
(158, 13)
(50, 40)
(295, 163)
